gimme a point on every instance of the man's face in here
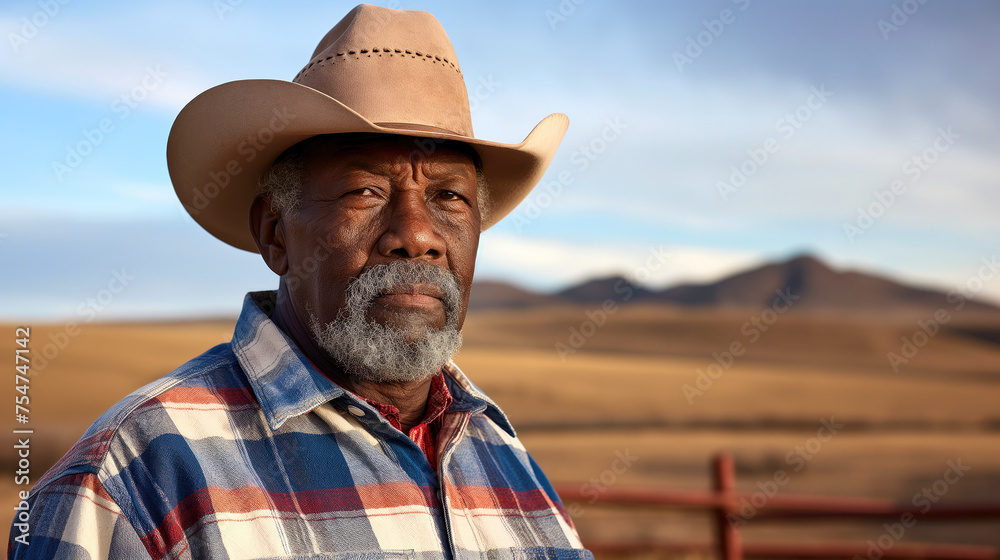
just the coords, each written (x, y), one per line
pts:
(374, 202)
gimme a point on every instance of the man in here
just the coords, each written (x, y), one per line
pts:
(334, 425)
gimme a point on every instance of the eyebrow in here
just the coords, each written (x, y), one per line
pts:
(381, 168)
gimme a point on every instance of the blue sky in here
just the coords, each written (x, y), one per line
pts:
(822, 104)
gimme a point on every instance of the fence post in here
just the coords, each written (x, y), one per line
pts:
(730, 543)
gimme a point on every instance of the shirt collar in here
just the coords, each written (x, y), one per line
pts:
(471, 398)
(287, 384)
(281, 377)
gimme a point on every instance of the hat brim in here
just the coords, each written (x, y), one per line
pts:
(226, 137)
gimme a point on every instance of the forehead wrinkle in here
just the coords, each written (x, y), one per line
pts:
(417, 165)
(442, 168)
(385, 168)
(363, 162)
(397, 161)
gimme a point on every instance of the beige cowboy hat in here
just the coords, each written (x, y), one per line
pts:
(378, 71)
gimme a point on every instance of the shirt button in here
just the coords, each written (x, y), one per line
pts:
(355, 410)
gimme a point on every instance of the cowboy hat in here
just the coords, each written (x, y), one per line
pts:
(379, 71)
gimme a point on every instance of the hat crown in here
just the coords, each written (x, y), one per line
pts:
(396, 68)
(378, 71)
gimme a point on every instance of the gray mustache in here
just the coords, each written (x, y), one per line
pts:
(381, 278)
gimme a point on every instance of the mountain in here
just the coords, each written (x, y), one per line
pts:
(813, 283)
(804, 280)
(493, 295)
(614, 288)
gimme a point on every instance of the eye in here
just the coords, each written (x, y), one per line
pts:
(362, 197)
(363, 191)
(449, 196)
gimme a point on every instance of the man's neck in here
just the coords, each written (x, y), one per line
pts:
(409, 397)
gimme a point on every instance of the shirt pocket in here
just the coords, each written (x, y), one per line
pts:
(362, 555)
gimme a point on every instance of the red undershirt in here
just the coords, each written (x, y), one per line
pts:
(425, 433)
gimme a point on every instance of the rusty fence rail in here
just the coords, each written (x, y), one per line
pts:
(725, 500)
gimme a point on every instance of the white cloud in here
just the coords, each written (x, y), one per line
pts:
(550, 264)
(96, 68)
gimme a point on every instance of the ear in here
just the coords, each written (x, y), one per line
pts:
(269, 234)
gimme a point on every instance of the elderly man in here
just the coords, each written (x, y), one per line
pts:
(334, 425)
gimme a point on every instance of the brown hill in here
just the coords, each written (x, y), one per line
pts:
(615, 288)
(494, 295)
(816, 285)
(804, 279)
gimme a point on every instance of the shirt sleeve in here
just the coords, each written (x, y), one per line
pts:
(546, 486)
(74, 518)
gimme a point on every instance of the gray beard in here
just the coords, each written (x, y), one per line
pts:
(381, 353)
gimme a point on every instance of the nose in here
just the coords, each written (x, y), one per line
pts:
(410, 232)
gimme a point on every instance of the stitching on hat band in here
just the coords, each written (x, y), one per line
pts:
(392, 52)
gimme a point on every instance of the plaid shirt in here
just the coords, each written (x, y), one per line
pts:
(248, 451)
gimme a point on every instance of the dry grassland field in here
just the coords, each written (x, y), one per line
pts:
(621, 394)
